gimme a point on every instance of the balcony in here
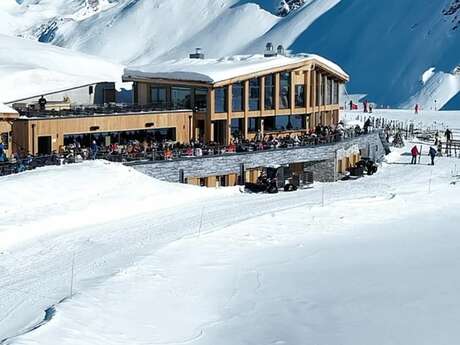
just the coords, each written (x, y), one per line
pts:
(96, 110)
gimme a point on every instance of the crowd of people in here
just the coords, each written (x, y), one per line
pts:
(166, 150)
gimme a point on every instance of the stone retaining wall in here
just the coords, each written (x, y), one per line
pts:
(370, 145)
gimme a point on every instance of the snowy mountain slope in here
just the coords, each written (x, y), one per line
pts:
(385, 46)
(30, 68)
(438, 90)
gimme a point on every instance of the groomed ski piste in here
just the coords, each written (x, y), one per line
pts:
(369, 261)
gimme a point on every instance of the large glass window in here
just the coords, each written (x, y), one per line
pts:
(237, 97)
(335, 92)
(254, 94)
(318, 89)
(270, 92)
(201, 99)
(323, 90)
(300, 96)
(158, 96)
(285, 90)
(253, 124)
(285, 123)
(181, 98)
(221, 99)
(237, 127)
(329, 91)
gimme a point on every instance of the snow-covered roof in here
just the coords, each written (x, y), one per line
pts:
(28, 69)
(4, 109)
(217, 70)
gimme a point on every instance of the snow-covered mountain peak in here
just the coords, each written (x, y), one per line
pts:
(453, 11)
(386, 46)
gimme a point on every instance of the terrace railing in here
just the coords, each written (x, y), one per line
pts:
(108, 109)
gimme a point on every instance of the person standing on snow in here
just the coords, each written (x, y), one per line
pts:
(433, 154)
(417, 108)
(367, 124)
(448, 135)
(93, 149)
(414, 152)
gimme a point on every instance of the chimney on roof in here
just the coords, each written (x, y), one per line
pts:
(198, 54)
(269, 51)
(280, 50)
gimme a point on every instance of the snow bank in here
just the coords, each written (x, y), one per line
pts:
(54, 200)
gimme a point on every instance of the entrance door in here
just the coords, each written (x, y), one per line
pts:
(44, 145)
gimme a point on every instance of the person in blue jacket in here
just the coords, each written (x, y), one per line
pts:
(93, 149)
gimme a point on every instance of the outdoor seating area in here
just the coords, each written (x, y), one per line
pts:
(166, 150)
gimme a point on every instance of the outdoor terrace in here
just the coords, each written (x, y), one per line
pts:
(108, 110)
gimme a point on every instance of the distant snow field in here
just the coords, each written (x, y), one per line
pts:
(159, 263)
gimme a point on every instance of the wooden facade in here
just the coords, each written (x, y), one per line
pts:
(319, 103)
(27, 132)
(6, 130)
(290, 99)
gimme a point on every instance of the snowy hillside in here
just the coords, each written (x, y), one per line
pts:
(385, 46)
(160, 263)
(29, 68)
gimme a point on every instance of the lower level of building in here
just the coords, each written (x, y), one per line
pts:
(44, 135)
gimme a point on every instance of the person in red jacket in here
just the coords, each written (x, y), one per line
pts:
(414, 153)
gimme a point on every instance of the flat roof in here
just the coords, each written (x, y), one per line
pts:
(213, 71)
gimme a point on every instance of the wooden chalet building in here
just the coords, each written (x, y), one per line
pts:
(211, 100)
(242, 95)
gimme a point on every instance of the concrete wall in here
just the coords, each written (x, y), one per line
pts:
(323, 156)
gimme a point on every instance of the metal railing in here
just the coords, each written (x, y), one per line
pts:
(18, 165)
(108, 109)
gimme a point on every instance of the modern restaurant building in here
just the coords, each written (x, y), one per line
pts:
(240, 96)
(211, 100)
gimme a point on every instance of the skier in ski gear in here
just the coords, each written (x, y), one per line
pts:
(414, 153)
(417, 108)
